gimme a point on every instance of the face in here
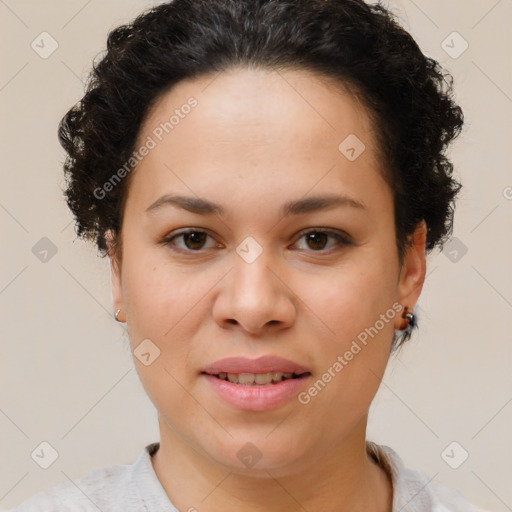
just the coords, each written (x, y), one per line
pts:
(250, 233)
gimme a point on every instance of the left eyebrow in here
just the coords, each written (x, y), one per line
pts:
(298, 207)
(316, 203)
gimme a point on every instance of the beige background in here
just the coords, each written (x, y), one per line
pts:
(66, 376)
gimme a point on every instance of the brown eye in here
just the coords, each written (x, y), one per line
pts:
(317, 240)
(192, 240)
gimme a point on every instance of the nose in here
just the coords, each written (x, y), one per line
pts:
(255, 298)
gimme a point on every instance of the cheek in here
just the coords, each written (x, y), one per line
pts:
(352, 297)
(156, 294)
(356, 303)
(168, 305)
(162, 306)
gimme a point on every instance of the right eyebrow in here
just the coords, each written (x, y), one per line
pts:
(192, 204)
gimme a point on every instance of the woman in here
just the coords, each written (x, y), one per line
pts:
(266, 178)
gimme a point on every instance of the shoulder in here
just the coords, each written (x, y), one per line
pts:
(96, 490)
(414, 491)
(109, 488)
(449, 499)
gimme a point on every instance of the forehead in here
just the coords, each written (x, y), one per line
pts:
(257, 128)
(264, 104)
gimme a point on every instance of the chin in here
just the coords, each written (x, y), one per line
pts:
(256, 455)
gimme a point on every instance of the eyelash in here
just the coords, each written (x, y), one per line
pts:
(342, 239)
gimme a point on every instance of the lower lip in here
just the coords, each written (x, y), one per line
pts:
(257, 397)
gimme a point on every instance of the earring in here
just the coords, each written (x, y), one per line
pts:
(411, 319)
(116, 315)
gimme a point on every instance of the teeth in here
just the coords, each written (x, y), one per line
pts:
(245, 378)
(263, 378)
(249, 379)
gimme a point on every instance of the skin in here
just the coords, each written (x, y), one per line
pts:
(256, 140)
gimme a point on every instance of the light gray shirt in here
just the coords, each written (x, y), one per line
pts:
(136, 488)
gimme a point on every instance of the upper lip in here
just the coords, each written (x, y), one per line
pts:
(263, 364)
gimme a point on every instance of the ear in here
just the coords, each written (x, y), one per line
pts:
(115, 274)
(412, 273)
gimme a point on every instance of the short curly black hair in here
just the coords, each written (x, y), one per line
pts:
(408, 96)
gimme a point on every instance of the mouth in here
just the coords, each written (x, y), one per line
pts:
(258, 379)
(256, 385)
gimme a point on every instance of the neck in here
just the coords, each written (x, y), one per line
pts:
(342, 480)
